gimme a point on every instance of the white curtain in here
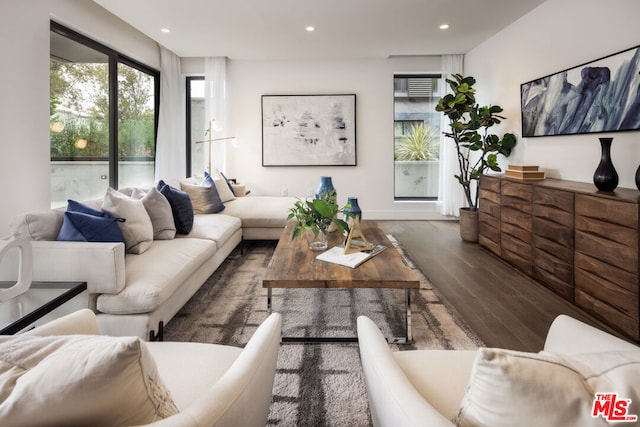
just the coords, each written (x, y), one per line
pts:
(215, 107)
(170, 146)
(450, 193)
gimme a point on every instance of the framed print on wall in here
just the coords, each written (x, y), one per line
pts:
(599, 96)
(309, 130)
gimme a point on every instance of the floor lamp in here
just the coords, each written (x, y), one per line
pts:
(209, 132)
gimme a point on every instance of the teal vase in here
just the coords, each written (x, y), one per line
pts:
(354, 209)
(325, 188)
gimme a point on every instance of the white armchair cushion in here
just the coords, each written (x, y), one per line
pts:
(509, 388)
(69, 380)
(440, 376)
(393, 400)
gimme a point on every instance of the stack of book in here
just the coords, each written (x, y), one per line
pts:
(524, 172)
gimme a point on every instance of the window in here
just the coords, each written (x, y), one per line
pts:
(196, 153)
(103, 121)
(416, 137)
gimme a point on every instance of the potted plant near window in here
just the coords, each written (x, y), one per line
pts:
(416, 162)
(476, 147)
(314, 218)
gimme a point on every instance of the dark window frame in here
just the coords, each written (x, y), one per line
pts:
(115, 57)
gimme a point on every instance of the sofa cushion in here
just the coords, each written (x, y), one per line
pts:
(218, 227)
(83, 223)
(510, 388)
(187, 385)
(159, 210)
(440, 376)
(43, 225)
(76, 379)
(261, 211)
(137, 228)
(205, 199)
(181, 207)
(221, 184)
(227, 180)
(152, 277)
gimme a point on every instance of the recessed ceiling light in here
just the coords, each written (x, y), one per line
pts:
(310, 28)
(165, 30)
(444, 26)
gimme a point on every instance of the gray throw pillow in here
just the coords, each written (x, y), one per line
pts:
(205, 200)
(159, 210)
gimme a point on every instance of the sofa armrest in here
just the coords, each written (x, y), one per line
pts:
(393, 400)
(99, 264)
(81, 322)
(570, 336)
(242, 395)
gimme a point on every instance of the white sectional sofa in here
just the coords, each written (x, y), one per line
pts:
(138, 293)
(498, 387)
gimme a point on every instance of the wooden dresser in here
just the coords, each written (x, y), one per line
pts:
(579, 242)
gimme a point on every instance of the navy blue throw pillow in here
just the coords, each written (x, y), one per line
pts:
(83, 223)
(181, 207)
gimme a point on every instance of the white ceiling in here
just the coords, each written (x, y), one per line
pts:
(275, 29)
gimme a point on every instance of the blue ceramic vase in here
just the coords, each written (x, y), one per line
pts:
(325, 187)
(354, 209)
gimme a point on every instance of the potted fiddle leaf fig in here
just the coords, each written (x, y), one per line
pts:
(314, 218)
(477, 148)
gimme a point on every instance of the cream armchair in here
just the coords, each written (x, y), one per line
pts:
(555, 387)
(211, 385)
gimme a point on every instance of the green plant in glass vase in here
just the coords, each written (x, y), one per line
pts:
(314, 218)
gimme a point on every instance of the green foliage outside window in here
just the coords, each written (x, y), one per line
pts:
(421, 143)
(80, 130)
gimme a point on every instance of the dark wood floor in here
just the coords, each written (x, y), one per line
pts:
(504, 307)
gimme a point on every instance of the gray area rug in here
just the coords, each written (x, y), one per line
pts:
(315, 384)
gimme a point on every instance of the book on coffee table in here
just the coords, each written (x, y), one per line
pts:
(336, 255)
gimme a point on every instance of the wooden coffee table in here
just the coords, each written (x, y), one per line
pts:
(294, 265)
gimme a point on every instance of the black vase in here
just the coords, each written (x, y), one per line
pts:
(605, 177)
(638, 177)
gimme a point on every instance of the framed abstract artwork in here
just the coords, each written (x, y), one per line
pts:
(309, 130)
(599, 96)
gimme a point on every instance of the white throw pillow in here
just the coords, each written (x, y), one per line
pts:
(137, 229)
(510, 388)
(159, 210)
(225, 192)
(80, 380)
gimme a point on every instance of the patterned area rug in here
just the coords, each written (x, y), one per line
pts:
(315, 384)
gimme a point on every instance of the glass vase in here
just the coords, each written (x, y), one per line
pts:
(319, 241)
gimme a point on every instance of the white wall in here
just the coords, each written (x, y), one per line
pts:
(557, 35)
(371, 181)
(24, 90)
